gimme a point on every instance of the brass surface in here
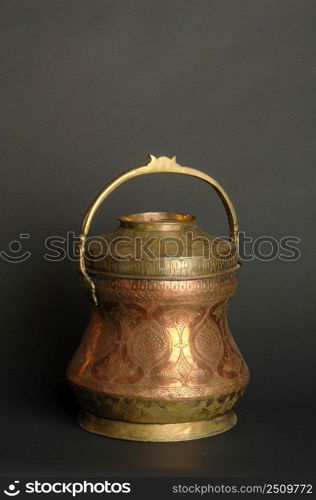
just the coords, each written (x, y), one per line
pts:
(156, 165)
(157, 432)
(150, 410)
(175, 248)
(106, 274)
(158, 221)
(158, 361)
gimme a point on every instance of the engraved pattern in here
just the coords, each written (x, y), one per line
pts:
(206, 342)
(202, 253)
(161, 340)
(145, 292)
(149, 345)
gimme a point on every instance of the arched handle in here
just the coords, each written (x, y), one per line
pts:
(156, 165)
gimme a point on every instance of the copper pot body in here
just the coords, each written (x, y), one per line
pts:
(158, 361)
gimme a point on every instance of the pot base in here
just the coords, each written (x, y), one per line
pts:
(156, 432)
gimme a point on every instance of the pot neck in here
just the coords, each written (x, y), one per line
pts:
(158, 221)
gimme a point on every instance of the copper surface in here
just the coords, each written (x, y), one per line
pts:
(159, 352)
(158, 360)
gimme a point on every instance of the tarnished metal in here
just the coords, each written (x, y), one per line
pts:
(158, 361)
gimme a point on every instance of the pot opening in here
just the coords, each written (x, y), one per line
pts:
(157, 219)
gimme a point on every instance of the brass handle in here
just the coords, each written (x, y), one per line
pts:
(156, 165)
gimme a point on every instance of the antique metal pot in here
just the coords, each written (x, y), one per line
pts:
(158, 361)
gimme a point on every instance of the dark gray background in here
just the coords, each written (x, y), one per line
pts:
(88, 88)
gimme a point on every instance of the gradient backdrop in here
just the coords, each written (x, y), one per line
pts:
(88, 88)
